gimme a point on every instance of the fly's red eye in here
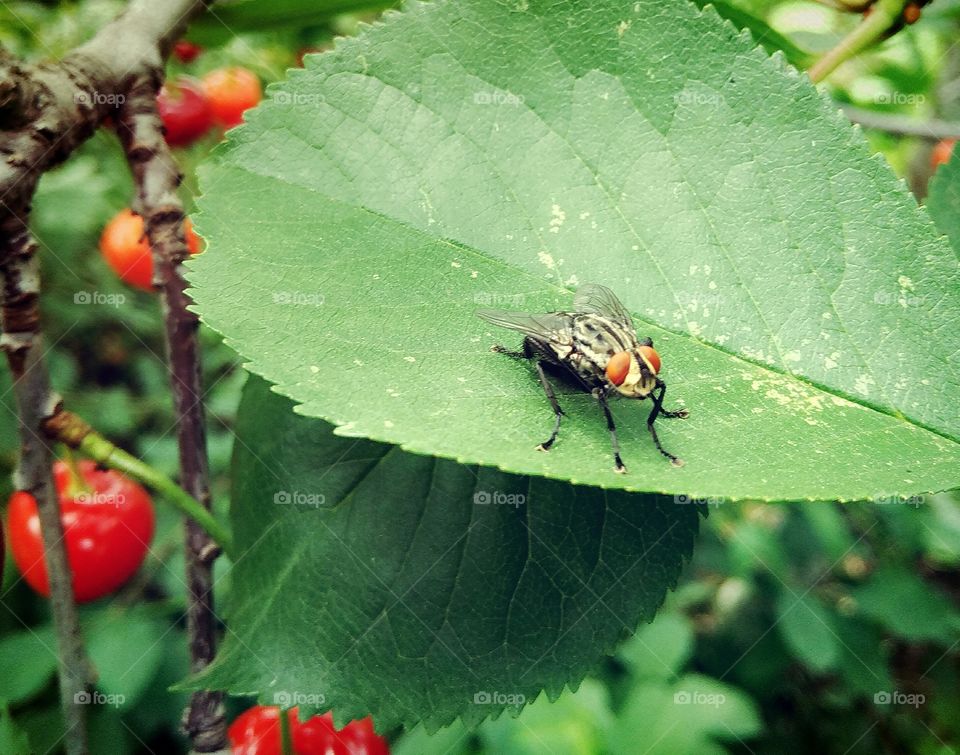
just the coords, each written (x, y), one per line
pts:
(652, 356)
(618, 367)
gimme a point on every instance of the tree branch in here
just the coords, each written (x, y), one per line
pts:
(46, 112)
(36, 401)
(157, 178)
(933, 129)
(50, 109)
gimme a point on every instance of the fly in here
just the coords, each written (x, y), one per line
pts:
(595, 347)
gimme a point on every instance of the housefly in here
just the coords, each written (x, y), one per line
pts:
(596, 348)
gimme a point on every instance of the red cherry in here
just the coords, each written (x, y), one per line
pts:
(317, 735)
(186, 52)
(256, 731)
(184, 110)
(652, 356)
(230, 91)
(941, 152)
(125, 248)
(107, 530)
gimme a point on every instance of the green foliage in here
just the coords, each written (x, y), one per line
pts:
(661, 649)
(29, 661)
(902, 603)
(126, 649)
(575, 722)
(763, 34)
(394, 186)
(224, 21)
(807, 630)
(943, 201)
(692, 714)
(798, 615)
(13, 740)
(444, 591)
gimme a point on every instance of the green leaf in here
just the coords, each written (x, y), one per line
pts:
(808, 629)
(752, 548)
(13, 739)
(830, 530)
(44, 727)
(689, 717)
(479, 153)
(575, 723)
(455, 739)
(106, 731)
(126, 650)
(223, 22)
(29, 661)
(943, 199)
(661, 649)
(386, 583)
(765, 35)
(942, 534)
(864, 665)
(909, 607)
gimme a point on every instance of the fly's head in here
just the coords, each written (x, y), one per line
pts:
(634, 373)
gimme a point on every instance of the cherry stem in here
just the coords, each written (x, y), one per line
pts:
(286, 736)
(76, 485)
(883, 15)
(67, 427)
(103, 451)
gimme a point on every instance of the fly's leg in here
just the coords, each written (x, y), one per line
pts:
(600, 396)
(504, 350)
(657, 397)
(675, 414)
(557, 411)
(531, 351)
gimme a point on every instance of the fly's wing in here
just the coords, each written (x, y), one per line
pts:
(549, 327)
(592, 298)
